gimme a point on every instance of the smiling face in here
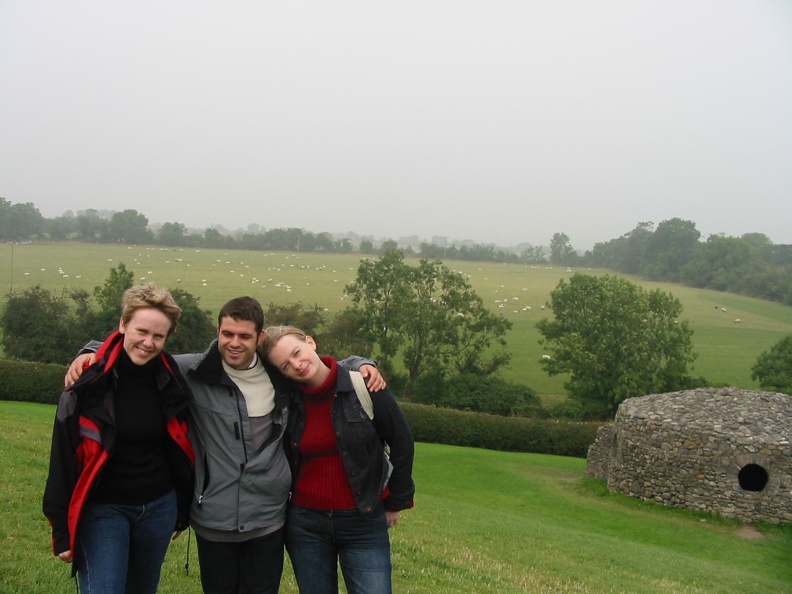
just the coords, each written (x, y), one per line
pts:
(144, 334)
(295, 357)
(236, 341)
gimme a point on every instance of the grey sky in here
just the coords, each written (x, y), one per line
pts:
(501, 121)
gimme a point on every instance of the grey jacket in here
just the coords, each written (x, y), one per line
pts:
(236, 489)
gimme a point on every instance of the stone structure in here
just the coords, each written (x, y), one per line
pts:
(720, 450)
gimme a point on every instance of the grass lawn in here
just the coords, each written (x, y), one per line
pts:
(484, 521)
(726, 349)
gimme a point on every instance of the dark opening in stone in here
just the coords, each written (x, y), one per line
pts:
(752, 477)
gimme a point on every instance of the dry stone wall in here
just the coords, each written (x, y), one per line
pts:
(720, 450)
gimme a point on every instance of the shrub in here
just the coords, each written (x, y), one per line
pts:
(472, 392)
(511, 434)
(31, 382)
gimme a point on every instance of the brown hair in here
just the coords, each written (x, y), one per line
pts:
(245, 309)
(150, 297)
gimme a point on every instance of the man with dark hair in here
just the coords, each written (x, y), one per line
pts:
(239, 413)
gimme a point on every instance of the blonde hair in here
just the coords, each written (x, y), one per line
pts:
(150, 297)
(273, 334)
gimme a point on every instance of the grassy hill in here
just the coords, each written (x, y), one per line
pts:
(726, 349)
(483, 522)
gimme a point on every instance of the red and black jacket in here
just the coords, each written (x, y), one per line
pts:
(84, 434)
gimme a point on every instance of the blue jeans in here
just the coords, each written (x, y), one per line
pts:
(120, 548)
(318, 540)
(253, 566)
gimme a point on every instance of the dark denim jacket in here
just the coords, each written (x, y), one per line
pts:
(360, 442)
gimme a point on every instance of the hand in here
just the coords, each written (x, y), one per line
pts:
(65, 556)
(392, 518)
(375, 381)
(176, 534)
(80, 364)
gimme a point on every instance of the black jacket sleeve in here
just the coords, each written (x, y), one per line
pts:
(63, 471)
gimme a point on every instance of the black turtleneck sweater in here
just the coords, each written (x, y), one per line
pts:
(137, 471)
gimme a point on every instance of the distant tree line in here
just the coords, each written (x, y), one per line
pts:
(673, 251)
(23, 222)
(749, 265)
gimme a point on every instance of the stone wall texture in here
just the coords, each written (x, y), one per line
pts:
(720, 450)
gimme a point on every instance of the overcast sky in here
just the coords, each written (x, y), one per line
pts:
(497, 121)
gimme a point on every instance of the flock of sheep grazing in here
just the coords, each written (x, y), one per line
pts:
(723, 309)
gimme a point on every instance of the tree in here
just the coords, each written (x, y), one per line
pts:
(428, 313)
(109, 296)
(196, 327)
(345, 335)
(773, 368)
(624, 253)
(561, 250)
(174, 234)
(616, 340)
(308, 319)
(720, 263)
(129, 226)
(37, 327)
(91, 227)
(19, 222)
(389, 245)
(377, 292)
(670, 247)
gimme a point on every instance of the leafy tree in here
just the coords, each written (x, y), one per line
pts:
(342, 246)
(616, 340)
(624, 253)
(309, 319)
(430, 314)
(196, 327)
(345, 335)
(37, 326)
(174, 234)
(561, 250)
(533, 255)
(720, 263)
(110, 294)
(108, 297)
(773, 368)
(129, 226)
(20, 221)
(60, 228)
(91, 227)
(26, 221)
(388, 246)
(672, 245)
(378, 291)
(366, 246)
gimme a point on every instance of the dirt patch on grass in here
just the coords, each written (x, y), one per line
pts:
(748, 531)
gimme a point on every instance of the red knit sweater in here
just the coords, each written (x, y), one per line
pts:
(321, 481)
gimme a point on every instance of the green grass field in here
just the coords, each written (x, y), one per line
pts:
(726, 350)
(484, 522)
